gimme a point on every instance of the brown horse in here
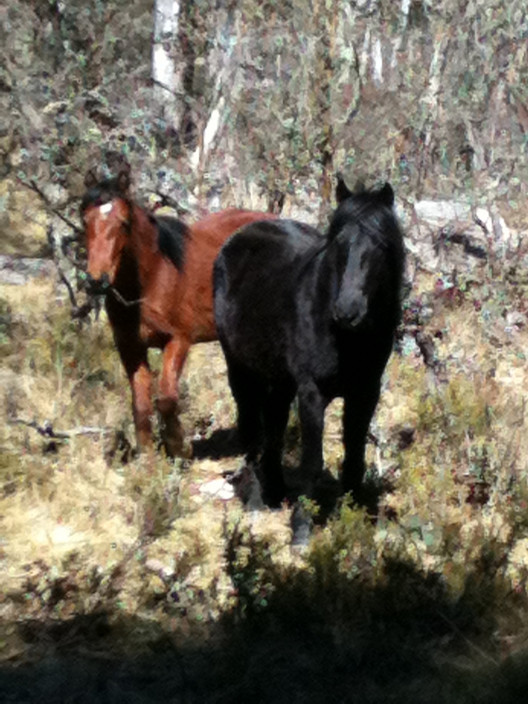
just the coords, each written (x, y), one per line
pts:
(156, 273)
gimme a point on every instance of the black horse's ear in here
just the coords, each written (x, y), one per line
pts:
(123, 178)
(360, 187)
(90, 180)
(341, 192)
(386, 195)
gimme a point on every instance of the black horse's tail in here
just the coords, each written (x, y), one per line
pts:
(219, 289)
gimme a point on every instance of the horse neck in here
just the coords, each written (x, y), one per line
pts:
(137, 264)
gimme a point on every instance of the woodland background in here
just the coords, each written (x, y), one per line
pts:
(127, 585)
(241, 99)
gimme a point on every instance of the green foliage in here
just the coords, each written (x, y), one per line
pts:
(454, 410)
(346, 547)
(250, 568)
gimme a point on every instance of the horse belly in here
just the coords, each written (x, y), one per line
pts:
(255, 301)
(261, 347)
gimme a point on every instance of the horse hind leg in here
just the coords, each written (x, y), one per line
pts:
(276, 412)
(248, 392)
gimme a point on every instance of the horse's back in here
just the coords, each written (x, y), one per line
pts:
(222, 224)
(255, 285)
(267, 246)
(257, 266)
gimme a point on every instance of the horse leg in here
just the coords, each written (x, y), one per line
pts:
(311, 415)
(359, 409)
(276, 412)
(248, 393)
(174, 356)
(135, 361)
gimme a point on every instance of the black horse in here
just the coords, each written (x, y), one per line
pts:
(299, 313)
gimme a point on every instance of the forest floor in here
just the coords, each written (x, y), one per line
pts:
(146, 581)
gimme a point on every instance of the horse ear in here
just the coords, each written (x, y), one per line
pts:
(359, 187)
(342, 192)
(90, 180)
(387, 195)
(123, 178)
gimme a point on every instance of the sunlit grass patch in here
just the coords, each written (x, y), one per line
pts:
(139, 552)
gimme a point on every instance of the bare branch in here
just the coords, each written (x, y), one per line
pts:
(32, 186)
(46, 429)
(78, 312)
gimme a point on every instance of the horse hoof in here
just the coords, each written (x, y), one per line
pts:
(177, 448)
(117, 446)
(247, 487)
(273, 501)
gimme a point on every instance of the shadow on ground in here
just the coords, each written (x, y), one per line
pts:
(311, 641)
(222, 443)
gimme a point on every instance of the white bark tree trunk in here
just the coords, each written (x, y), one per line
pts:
(207, 139)
(224, 68)
(166, 75)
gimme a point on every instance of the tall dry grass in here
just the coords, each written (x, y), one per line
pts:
(152, 562)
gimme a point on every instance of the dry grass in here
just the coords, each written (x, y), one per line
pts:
(146, 561)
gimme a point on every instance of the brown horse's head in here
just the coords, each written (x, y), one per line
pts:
(105, 211)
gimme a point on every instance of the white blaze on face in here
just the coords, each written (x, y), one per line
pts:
(105, 209)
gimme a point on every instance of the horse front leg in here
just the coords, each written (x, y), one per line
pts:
(174, 356)
(359, 409)
(135, 361)
(311, 415)
(276, 411)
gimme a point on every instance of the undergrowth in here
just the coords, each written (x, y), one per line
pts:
(423, 599)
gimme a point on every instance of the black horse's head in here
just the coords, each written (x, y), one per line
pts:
(366, 236)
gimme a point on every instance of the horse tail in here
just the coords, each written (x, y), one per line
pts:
(219, 289)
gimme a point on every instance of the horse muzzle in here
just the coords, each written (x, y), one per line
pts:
(350, 317)
(99, 286)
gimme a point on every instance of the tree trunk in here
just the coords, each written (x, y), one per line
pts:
(166, 74)
(325, 20)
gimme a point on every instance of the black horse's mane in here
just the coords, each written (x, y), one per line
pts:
(372, 211)
(171, 232)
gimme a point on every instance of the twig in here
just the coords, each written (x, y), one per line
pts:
(78, 312)
(124, 301)
(64, 279)
(446, 236)
(167, 201)
(32, 186)
(47, 431)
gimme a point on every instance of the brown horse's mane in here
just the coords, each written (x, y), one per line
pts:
(101, 193)
(172, 234)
